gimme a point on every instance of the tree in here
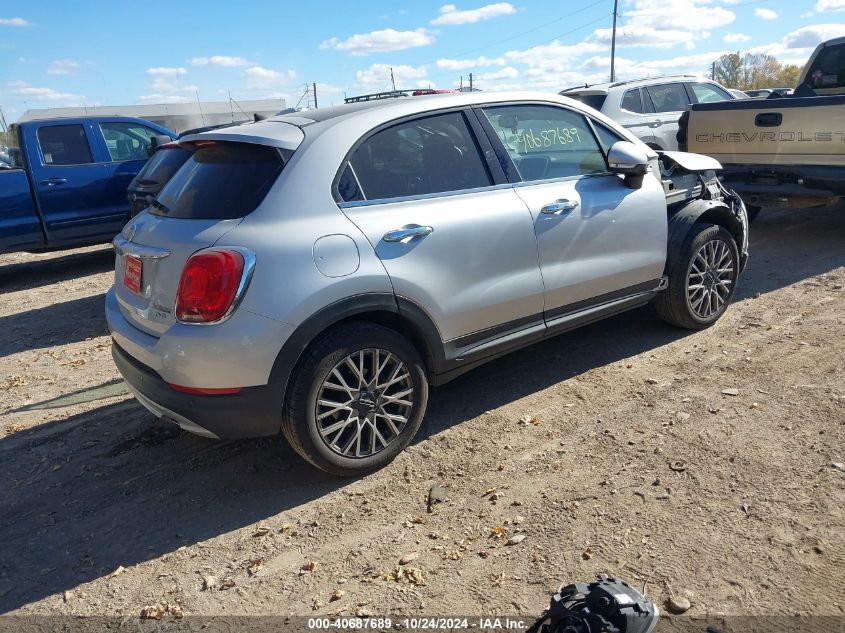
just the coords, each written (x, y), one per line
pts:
(754, 70)
(729, 70)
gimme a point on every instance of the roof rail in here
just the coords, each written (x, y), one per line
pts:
(390, 94)
(630, 81)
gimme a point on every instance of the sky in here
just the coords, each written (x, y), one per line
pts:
(56, 54)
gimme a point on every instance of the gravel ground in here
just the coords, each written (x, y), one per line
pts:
(705, 466)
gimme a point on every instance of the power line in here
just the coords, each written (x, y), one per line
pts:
(536, 28)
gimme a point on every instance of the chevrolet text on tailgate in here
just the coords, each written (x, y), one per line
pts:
(786, 152)
(314, 273)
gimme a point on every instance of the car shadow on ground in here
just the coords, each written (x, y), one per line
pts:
(83, 495)
(55, 324)
(42, 272)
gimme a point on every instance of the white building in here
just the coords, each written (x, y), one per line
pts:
(174, 116)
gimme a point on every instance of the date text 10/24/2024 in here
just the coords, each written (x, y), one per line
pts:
(480, 624)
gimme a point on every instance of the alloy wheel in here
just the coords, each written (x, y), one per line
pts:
(364, 403)
(710, 278)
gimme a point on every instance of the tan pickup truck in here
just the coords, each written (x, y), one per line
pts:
(787, 151)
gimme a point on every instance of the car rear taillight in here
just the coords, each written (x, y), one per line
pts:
(209, 285)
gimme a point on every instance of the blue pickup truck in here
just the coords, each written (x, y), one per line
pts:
(66, 180)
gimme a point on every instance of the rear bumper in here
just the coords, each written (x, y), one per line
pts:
(252, 412)
(766, 184)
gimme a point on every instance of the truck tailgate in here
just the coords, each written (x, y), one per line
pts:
(788, 131)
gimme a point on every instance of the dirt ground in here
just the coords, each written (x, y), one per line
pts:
(636, 463)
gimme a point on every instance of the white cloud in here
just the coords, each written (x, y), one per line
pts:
(377, 76)
(14, 22)
(220, 60)
(465, 64)
(165, 71)
(555, 56)
(830, 5)
(259, 78)
(812, 36)
(62, 67)
(159, 98)
(162, 85)
(766, 14)
(26, 90)
(382, 41)
(666, 24)
(684, 15)
(509, 72)
(451, 15)
(795, 47)
(732, 38)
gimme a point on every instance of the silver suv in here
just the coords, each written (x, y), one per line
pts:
(650, 108)
(314, 273)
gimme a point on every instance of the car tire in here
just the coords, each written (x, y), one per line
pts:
(752, 211)
(321, 433)
(708, 263)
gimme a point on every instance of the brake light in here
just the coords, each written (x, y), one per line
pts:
(208, 285)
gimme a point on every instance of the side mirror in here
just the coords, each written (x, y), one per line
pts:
(155, 141)
(629, 160)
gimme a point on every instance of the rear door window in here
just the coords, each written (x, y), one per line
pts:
(430, 155)
(669, 97)
(220, 181)
(632, 102)
(64, 145)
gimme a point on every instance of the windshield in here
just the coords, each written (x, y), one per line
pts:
(220, 180)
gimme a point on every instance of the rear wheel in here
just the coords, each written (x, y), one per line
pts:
(703, 279)
(357, 399)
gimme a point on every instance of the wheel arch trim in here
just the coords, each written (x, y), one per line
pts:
(379, 307)
(712, 211)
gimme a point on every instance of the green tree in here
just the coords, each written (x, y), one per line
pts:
(754, 70)
(729, 70)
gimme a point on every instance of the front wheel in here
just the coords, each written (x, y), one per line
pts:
(702, 281)
(357, 399)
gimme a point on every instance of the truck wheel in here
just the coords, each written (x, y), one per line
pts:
(357, 398)
(703, 279)
(752, 211)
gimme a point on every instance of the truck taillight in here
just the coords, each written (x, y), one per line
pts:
(209, 285)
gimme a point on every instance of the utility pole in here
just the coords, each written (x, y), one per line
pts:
(713, 71)
(470, 82)
(314, 85)
(613, 42)
(392, 81)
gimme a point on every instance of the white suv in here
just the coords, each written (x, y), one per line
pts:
(650, 108)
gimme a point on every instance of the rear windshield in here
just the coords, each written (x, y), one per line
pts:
(161, 167)
(220, 181)
(594, 101)
(828, 69)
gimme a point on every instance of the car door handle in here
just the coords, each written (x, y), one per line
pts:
(126, 173)
(400, 235)
(53, 181)
(559, 206)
